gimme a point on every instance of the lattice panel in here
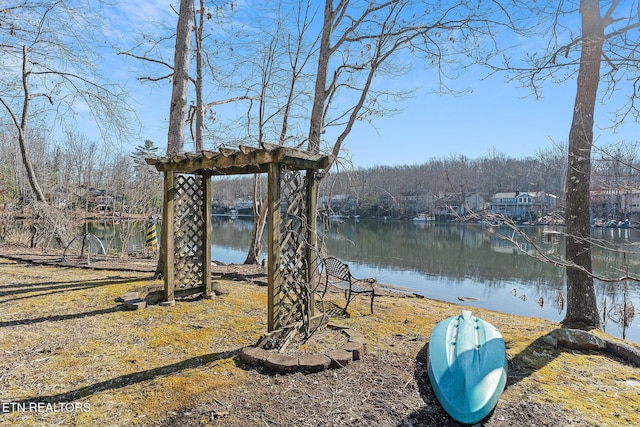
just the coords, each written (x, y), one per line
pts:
(294, 291)
(188, 229)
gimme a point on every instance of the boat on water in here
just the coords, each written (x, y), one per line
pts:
(611, 223)
(467, 366)
(423, 218)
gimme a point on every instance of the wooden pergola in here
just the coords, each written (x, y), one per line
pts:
(292, 193)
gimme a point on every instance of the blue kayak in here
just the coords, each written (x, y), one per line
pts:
(467, 366)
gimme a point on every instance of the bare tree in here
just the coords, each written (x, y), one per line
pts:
(180, 88)
(582, 309)
(50, 72)
(367, 40)
(182, 59)
(358, 43)
(602, 50)
(199, 110)
(277, 73)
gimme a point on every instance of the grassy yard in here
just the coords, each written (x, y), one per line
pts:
(69, 350)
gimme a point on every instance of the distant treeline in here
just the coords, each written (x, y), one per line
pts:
(72, 173)
(403, 191)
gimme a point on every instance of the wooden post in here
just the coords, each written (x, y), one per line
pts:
(312, 244)
(206, 239)
(168, 238)
(273, 235)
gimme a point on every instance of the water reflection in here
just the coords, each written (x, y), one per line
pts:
(479, 264)
(117, 236)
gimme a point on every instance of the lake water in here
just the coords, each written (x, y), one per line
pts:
(448, 261)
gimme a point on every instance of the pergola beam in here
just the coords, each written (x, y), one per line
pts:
(246, 160)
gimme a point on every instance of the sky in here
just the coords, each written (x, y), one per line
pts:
(493, 116)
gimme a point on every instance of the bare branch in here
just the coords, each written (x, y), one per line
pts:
(154, 79)
(147, 59)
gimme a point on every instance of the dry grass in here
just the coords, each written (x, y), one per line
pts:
(65, 339)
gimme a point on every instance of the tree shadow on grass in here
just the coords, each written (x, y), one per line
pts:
(127, 380)
(50, 288)
(57, 286)
(59, 317)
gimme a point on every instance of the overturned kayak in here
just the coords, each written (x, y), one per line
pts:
(467, 366)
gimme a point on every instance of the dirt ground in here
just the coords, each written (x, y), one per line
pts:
(383, 389)
(131, 372)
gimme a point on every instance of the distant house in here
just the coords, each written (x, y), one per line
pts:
(523, 205)
(631, 202)
(609, 203)
(605, 203)
(449, 206)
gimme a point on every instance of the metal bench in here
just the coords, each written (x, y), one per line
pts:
(338, 275)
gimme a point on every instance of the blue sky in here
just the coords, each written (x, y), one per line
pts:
(494, 115)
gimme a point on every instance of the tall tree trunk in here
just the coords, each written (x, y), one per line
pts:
(178, 112)
(582, 310)
(199, 141)
(178, 108)
(31, 175)
(316, 126)
(53, 221)
(22, 132)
